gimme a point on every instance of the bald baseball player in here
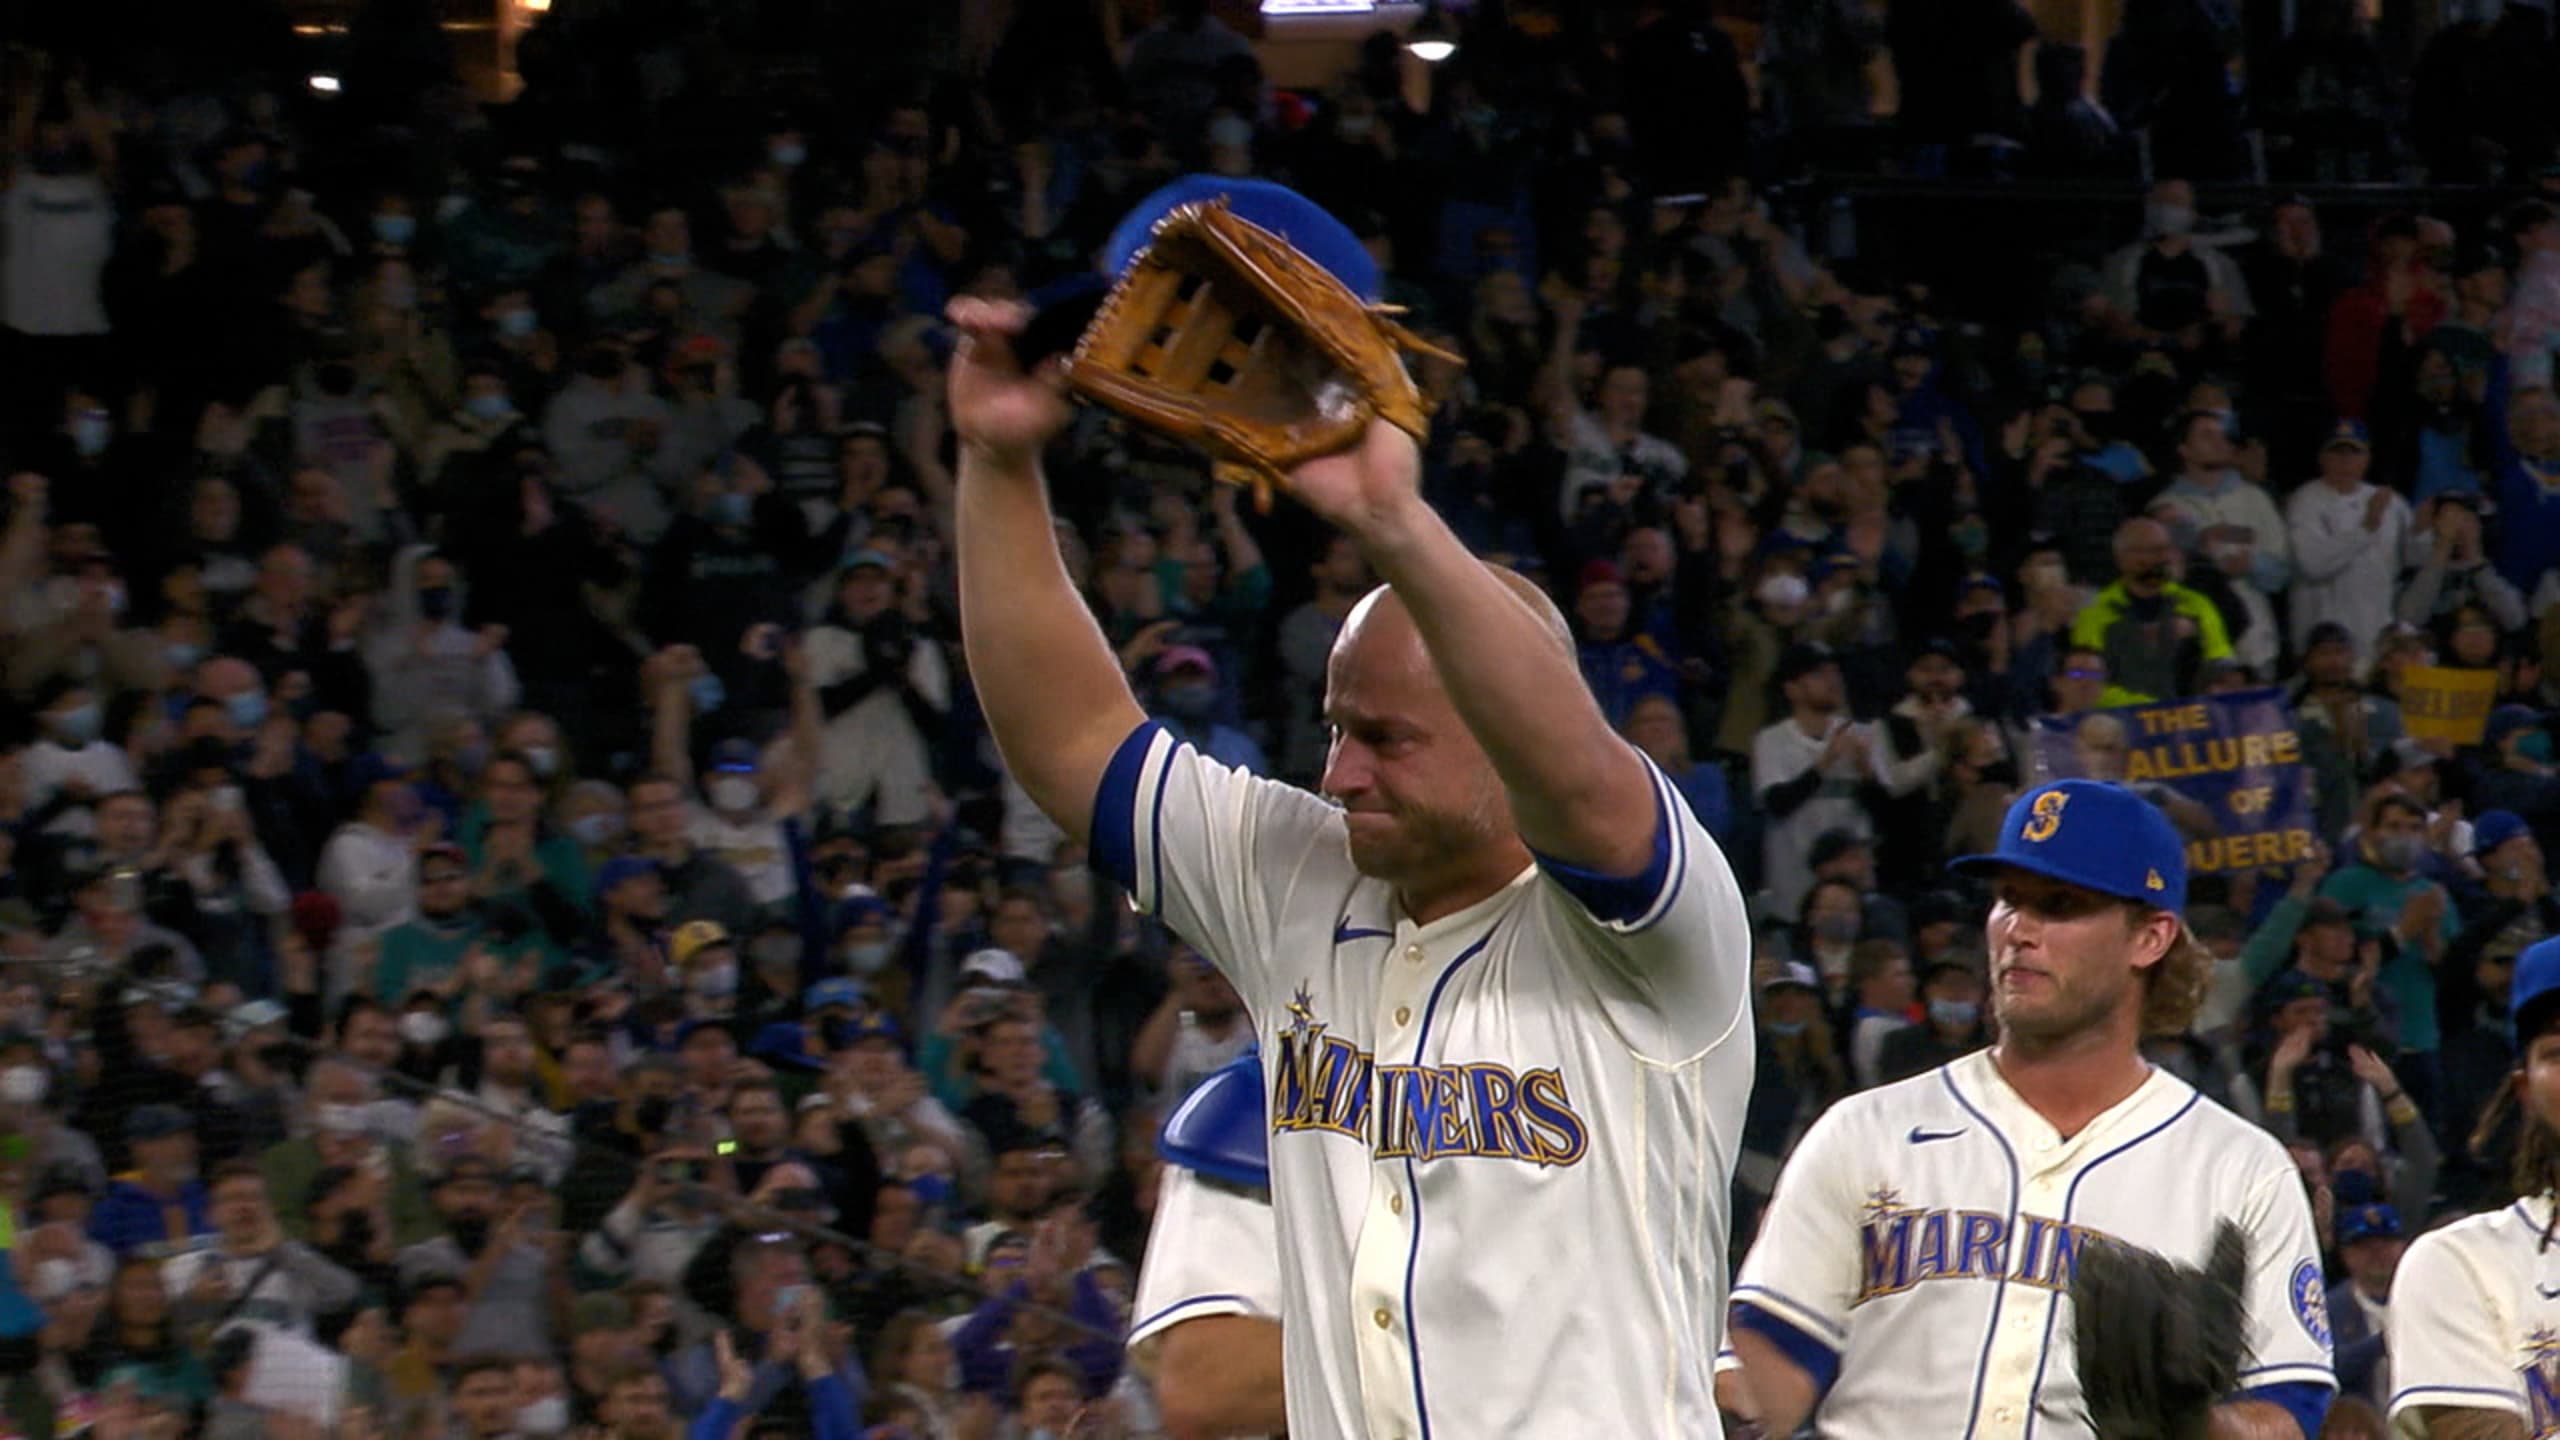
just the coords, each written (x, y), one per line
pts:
(1498, 970)
(2474, 1321)
(1909, 1278)
(1208, 1303)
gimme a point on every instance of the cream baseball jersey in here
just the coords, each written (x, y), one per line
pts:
(2475, 1321)
(1213, 1249)
(1916, 1253)
(1500, 1142)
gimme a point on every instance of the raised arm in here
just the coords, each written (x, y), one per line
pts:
(1051, 688)
(1581, 795)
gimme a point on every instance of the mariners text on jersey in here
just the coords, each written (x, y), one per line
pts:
(1427, 1112)
(1917, 1254)
(1903, 1245)
(1498, 1137)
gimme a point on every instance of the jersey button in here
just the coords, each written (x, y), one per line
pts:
(1404, 1014)
(1413, 953)
(1382, 1318)
(1395, 1204)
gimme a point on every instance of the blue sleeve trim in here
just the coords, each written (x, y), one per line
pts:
(1115, 808)
(1244, 1304)
(1814, 1357)
(1630, 901)
(2305, 1401)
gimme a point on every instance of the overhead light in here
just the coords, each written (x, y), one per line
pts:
(324, 84)
(1431, 40)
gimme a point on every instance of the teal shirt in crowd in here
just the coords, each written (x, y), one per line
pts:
(421, 952)
(2376, 899)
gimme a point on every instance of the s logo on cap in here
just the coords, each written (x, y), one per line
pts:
(2047, 817)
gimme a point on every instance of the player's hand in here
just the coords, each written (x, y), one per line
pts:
(1369, 491)
(1002, 414)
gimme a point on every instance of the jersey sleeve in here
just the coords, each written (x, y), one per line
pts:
(1797, 1285)
(1672, 942)
(2288, 1303)
(1209, 850)
(1211, 1251)
(2444, 1333)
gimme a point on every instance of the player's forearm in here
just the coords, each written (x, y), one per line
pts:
(1053, 692)
(1574, 785)
(2253, 1420)
(1778, 1386)
(1219, 1376)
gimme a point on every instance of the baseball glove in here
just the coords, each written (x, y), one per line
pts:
(2160, 1343)
(1222, 334)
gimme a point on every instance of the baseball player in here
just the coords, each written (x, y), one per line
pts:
(1208, 1304)
(1498, 970)
(2474, 1321)
(1910, 1276)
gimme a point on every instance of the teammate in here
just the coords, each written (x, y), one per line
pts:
(1909, 1277)
(1208, 1303)
(1499, 970)
(2475, 1309)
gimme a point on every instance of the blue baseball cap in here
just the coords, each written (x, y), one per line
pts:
(2506, 720)
(2346, 433)
(2376, 1221)
(735, 754)
(833, 991)
(2533, 989)
(2094, 835)
(2495, 828)
(1276, 208)
(621, 869)
(864, 907)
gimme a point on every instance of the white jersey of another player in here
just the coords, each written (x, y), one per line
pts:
(1501, 1142)
(2475, 1321)
(1214, 1249)
(1915, 1256)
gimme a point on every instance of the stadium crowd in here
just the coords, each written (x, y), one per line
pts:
(509, 923)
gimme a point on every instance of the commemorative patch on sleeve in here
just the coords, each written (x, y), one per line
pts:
(2311, 1302)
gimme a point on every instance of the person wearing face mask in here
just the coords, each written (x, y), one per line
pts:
(2389, 888)
(1799, 1075)
(1186, 691)
(71, 764)
(2154, 633)
(603, 428)
(425, 664)
(883, 685)
(370, 865)
(2169, 285)
(706, 958)
(2521, 778)
(1951, 992)
(592, 814)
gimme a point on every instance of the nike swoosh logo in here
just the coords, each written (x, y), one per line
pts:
(1346, 932)
(1923, 1137)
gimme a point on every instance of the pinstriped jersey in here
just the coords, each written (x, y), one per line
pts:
(1921, 1240)
(2474, 1321)
(1501, 1142)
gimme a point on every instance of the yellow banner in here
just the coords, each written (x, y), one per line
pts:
(2441, 704)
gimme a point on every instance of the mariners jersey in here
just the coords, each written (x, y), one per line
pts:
(1501, 1142)
(2475, 1321)
(1212, 1250)
(1917, 1250)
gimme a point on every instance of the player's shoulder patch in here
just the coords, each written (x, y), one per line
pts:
(2311, 1302)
